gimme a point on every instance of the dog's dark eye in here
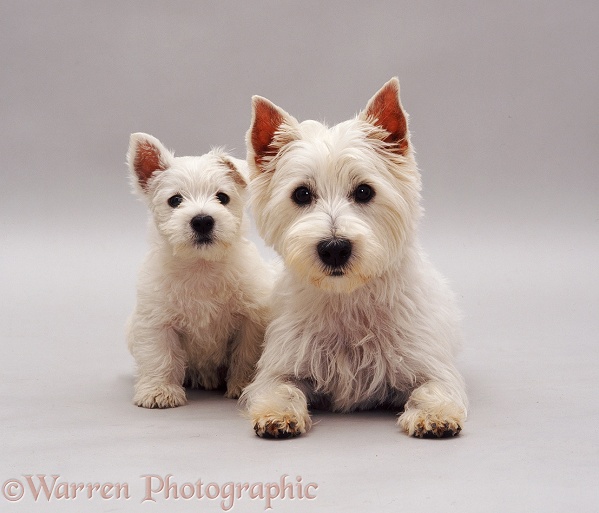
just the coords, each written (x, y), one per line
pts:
(302, 196)
(175, 201)
(363, 193)
(223, 198)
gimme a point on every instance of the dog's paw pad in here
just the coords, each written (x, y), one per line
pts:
(432, 424)
(162, 396)
(285, 427)
(437, 430)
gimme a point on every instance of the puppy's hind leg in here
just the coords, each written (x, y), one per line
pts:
(161, 367)
(277, 408)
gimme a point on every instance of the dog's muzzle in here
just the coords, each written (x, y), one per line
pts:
(334, 253)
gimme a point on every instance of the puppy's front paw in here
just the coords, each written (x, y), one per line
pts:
(438, 423)
(280, 426)
(160, 396)
(234, 389)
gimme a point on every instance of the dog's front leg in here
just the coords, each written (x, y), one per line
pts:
(437, 408)
(244, 356)
(161, 366)
(277, 407)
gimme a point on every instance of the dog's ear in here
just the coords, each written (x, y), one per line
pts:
(237, 170)
(145, 156)
(270, 130)
(384, 111)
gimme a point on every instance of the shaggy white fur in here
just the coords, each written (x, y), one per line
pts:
(361, 318)
(203, 290)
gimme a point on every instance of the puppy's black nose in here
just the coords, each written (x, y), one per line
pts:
(202, 224)
(334, 252)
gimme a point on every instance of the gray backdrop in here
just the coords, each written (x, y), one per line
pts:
(503, 98)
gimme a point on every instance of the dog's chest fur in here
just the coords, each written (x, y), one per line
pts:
(354, 350)
(202, 303)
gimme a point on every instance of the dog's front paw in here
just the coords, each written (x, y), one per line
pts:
(438, 423)
(280, 426)
(160, 396)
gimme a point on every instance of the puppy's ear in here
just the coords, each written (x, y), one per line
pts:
(145, 156)
(237, 170)
(384, 111)
(270, 130)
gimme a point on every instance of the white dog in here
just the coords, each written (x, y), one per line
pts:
(202, 302)
(361, 317)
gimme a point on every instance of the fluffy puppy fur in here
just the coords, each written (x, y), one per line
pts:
(202, 298)
(361, 319)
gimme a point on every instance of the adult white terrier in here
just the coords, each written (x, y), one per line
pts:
(361, 317)
(202, 299)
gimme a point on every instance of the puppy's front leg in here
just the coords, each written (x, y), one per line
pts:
(244, 356)
(161, 366)
(277, 408)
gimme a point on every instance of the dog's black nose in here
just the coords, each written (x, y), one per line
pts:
(334, 252)
(202, 224)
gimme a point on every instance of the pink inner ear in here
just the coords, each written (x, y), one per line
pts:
(386, 112)
(147, 160)
(266, 122)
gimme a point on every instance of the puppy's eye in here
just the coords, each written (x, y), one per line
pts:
(363, 193)
(302, 196)
(175, 201)
(223, 198)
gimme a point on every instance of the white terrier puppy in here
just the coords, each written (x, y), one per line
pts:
(361, 318)
(203, 291)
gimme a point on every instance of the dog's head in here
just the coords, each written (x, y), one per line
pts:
(338, 204)
(196, 202)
